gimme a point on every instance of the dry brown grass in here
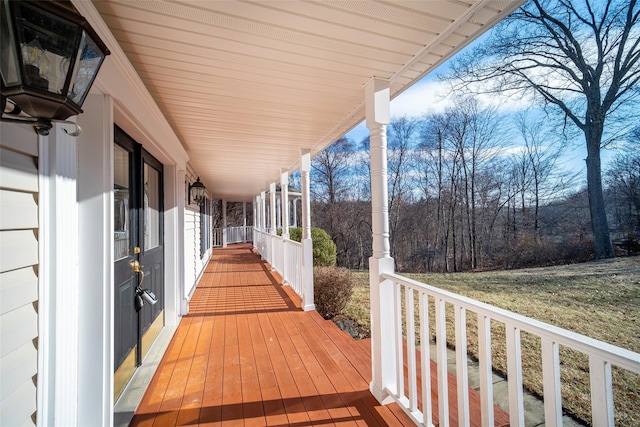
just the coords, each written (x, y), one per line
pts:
(598, 299)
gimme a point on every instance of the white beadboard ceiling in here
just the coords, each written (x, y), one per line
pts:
(247, 84)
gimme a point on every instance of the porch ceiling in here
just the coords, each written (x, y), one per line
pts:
(246, 84)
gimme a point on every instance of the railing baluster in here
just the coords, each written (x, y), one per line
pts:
(551, 383)
(397, 287)
(514, 376)
(425, 362)
(485, 370)
(411, 348)
(441, 359)
(462, 371)
(601, 392)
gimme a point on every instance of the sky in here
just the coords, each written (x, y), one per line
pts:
(429, 95)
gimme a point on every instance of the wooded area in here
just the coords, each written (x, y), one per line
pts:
(462, 197)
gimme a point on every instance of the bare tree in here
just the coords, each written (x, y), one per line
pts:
(401, 142)
(581, 57)
(330, 174)
(537, 163)
(330, 171)
(624, 184)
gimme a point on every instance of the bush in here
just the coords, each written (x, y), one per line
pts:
(324, 250)
(332, 289)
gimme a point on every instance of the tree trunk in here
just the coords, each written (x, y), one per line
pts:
(601, 239)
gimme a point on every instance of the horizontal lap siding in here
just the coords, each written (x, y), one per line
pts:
(192, 247)
(18, 274)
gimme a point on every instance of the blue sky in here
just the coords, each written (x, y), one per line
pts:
(429, 95)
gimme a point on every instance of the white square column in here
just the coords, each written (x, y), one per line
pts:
(272, 208)
(95, 261)
(284, 203)
(58, 300)
(224, 223)
(383, 344)
(307, 245)
(263, 213)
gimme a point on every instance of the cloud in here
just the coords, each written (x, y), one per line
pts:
(433, 97)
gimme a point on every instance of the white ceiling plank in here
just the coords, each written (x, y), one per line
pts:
(246, 84)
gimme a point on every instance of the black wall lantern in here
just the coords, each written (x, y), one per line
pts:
(49, 58)
(197, 192)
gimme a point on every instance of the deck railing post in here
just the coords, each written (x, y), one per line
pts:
(383, 344)
(307, 246)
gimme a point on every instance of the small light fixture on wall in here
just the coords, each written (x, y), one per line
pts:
(49, 58)
(197, 191)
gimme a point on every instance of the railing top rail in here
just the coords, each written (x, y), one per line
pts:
(293, 243)
(607, 352)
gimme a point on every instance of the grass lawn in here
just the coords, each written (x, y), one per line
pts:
(598, 299)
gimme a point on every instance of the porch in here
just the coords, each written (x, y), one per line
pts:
(246, 353)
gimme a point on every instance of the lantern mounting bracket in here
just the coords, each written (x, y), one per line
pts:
(11, 112)
(42, 126)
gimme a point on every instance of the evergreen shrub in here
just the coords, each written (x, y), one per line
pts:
(324, 250)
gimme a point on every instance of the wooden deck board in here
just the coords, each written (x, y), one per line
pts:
(246, 355)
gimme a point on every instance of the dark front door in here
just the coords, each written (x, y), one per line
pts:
(138, 255)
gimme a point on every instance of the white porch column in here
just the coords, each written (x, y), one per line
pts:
(95, 261)
(263, 213)
(244, 219)
(383, 344)
(224, 223)
(272, 208)
(273, 222)
(307, 245)
(176, 298)
(295, 212)
(256, 203)
(284, 203)
(58, 299)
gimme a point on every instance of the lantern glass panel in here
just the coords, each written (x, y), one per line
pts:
(89, 60)
(46, 51)
(8, 55)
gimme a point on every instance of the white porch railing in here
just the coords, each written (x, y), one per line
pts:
(217, 238)
(240, 234)
(292, 252)
(410, 295)
(285, 257)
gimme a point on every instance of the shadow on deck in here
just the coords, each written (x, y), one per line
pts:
(246, 354)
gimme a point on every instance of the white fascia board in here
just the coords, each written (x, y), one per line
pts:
(135, 110)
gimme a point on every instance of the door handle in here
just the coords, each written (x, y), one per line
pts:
(137, 268)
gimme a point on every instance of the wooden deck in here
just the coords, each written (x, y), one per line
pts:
(247, 355)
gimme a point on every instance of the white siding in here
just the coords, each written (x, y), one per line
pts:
(191, 245)
(193, 263)
(18, 274)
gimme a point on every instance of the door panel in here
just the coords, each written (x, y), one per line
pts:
(152, 255)
(124, 239)
(125, 322)
(138, 224)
